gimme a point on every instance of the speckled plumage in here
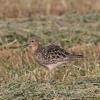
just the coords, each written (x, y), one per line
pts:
(51, 56)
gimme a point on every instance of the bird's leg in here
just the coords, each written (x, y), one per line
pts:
(48, 74)
(66, 74)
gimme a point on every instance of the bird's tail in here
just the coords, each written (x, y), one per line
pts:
(73, 57)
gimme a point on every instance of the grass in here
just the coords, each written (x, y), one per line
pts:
(21, 78)
(47, 90)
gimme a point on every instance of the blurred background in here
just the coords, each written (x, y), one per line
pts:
(29, 8)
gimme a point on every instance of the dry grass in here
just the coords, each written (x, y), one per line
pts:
(28, 8)
(22, 78)
(78, 31)
(15, 60)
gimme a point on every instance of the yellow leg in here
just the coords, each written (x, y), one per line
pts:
(65, 75)
(46, 77)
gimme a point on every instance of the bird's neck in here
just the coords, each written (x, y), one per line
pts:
(34, 49)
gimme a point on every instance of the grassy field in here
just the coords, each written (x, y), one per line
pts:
(21, 78)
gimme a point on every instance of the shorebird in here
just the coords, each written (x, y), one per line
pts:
(50, 56)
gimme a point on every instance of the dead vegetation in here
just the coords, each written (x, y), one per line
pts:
(29, 8)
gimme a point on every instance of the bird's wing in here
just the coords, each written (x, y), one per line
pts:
(56, 53)
(53, 54)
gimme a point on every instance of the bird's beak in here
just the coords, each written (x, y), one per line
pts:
(26, 45)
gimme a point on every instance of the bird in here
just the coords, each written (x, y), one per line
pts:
(50, 56)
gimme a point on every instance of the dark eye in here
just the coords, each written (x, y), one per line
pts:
(32, 41)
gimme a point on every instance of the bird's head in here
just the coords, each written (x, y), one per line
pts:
(32, 43)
